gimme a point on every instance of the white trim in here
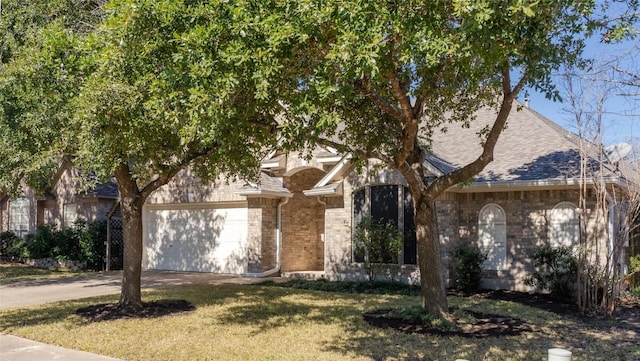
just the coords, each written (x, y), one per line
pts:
(219, 205)
(333, 190)
(334, 171)
(257, 192)
(538, 184)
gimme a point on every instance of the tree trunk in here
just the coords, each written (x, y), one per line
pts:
(434, 297)
(130, 297)
(131, 203)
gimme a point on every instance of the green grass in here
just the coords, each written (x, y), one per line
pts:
(264, 322)
(16, 272)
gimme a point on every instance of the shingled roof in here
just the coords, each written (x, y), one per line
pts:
(531, 148)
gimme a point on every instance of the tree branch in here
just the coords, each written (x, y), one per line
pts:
(379, 101)
(443, 183)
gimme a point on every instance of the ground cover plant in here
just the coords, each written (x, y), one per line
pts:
(264, 322)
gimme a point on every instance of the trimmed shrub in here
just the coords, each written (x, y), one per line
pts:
(556, 271)
(468, 263)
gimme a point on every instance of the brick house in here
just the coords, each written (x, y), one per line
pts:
(298, 219)
(61, 203)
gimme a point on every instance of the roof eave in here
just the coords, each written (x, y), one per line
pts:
(543, 184)
(261, 193)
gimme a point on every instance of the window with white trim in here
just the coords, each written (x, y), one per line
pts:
(19, 214)
(492, 236)
(388, 204)
(564, 225)
(69, 215)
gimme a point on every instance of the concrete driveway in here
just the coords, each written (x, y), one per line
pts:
(105, 283)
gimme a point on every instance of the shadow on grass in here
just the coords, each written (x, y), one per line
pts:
(265, 309)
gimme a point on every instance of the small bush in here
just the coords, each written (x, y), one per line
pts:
(558, 269)
(11, 245)
(468, 263)
(40, 244)
(376, 244)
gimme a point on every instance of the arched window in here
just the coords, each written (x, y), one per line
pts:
(388, 204)
(19, 212)
(492, 236)
(564, 225)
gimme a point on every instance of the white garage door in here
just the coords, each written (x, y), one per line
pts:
(196, 239)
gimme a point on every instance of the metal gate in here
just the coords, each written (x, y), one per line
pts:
(114, 246)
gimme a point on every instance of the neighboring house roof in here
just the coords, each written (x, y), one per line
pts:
(108, 189)
(104, 190)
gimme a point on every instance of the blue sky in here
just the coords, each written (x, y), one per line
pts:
(621, 113)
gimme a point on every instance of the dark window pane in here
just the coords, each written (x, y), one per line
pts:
(409, 247)
(384, 204)
(384, 210)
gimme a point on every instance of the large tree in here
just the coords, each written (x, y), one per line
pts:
(379, 78)
(33, 87)
(156, 87)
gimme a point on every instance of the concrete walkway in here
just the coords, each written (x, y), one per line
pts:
(29, 293)
(14, 348)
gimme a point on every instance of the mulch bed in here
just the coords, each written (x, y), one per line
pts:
(486, 325)
(113, 311)
(489, 325)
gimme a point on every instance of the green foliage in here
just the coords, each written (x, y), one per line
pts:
(376, 244)
(78, 243)
(11, 245)
(556, 271)
(468, 264)
(43, 243)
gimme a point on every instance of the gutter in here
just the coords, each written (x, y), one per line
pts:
(552, 183)
(276, 269)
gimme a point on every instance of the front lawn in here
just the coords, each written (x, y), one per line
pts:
(249, 322)
(11, 272)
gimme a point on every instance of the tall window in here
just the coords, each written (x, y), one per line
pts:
(388, 204)
(19, 212)
(69, 215)
(564, 225)
(492, 236)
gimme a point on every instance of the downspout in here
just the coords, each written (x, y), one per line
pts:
(276, 269)
(324, 232)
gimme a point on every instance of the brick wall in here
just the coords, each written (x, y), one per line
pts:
(302, 224)
(261, 234)
(527, 218)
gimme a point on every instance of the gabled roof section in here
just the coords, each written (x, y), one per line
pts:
(108, 189)
(267, 186)
(532, 148)
(331, 183)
